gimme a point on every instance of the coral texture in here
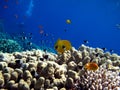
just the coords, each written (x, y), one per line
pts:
(9, 46)
(38, 70)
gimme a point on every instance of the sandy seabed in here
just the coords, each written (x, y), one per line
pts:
(39, 70)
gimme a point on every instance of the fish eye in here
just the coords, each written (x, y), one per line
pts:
(63, 46)
(56, 47)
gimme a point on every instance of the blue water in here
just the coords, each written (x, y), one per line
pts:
(92, 20)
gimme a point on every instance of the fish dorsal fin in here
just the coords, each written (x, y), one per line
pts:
(57, 41)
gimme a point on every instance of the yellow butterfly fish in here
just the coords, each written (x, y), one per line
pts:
(62, 45)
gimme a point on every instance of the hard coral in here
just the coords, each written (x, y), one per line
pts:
(1, 79)
(9, 46)
(98, 80)
(36, 70)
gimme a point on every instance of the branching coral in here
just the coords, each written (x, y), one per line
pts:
(98, 80)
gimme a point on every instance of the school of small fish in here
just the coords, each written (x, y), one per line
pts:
(61, 45)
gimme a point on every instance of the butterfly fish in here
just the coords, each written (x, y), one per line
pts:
(62, 45)
(91, 66)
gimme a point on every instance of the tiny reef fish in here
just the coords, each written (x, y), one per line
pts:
(86, 41)
(68, 21)
(91, 66)
(62, 45)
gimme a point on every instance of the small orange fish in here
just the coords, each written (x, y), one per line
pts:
(41, 31)
(5, 6)
(17, 2)
(6, 0)
(62, 45)
(91, 66)
(40, 26)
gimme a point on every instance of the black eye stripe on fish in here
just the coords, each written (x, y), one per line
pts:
(63, 46)
(56, 47)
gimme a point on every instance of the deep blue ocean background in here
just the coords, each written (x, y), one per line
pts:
(97, 21)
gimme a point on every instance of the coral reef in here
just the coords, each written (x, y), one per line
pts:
(8, 45)
(99, 80)
(18, 42)
(38, 70)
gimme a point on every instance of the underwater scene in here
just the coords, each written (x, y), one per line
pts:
(59, 44)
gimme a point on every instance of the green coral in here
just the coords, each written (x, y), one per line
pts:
(9, 46)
